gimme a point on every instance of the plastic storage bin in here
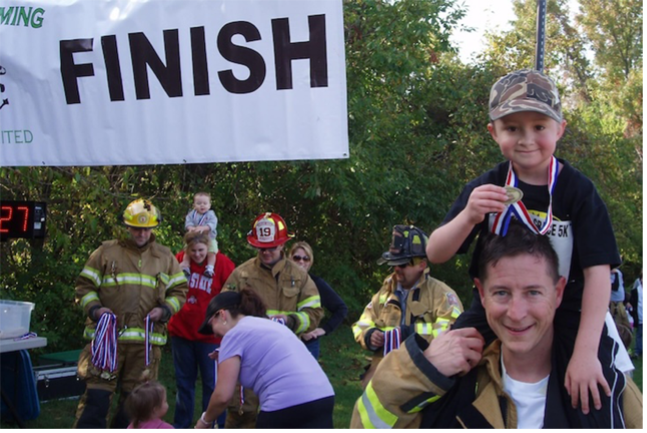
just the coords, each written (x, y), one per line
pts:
(14, 318)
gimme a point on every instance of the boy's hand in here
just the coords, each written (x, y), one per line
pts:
(584, 374)
(483, 200)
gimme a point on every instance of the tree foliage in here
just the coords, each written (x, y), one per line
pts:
(417, 129)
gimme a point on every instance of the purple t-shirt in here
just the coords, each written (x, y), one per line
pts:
(275, 364)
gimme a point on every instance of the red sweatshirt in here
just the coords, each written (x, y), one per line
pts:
(185, 323)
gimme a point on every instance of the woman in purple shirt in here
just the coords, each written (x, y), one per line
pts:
(266, 356)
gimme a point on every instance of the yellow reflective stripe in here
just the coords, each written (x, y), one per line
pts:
(383, 298)
(371, 411)
(304, 322)
(138, 334)
(271, 313)
(364, 322)
(131, 334)
(388, 328)
(92, 275)
(127, 278)
(422, 405)
(443, 324)
(91, 296)
(311, 302)
(363, 413)
(174, 303)
(165, 278)
(176, 280)
(455, 313)
(424, 328)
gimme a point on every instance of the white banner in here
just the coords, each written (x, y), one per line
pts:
(127, 82)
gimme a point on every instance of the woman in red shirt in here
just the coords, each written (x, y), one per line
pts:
(190, 348)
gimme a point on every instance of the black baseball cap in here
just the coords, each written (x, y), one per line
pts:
(222, 301)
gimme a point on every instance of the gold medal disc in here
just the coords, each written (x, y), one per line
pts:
(514, 194)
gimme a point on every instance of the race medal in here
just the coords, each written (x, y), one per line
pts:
(516, 208)
(514, 195)
(105, 375)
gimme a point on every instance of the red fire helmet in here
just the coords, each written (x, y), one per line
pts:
(269, 230)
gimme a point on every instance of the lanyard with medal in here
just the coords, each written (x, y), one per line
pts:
(514, 205)
(149, 345)
(104, 346)
(392, 340)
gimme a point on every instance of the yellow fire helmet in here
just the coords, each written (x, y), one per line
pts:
(141, 213)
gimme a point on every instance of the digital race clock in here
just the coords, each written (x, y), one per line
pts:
(22, 219)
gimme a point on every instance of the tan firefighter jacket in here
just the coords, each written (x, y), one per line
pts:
(131, 281)
(406, 386)
(432, 306)
(286, 289)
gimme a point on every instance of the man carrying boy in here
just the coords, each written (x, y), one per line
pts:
(560, 202)
(453, 382)
(409, 301)
(138, 284)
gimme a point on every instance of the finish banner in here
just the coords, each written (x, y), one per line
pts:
(128, 82)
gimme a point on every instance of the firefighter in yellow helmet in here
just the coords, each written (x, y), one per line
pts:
(290, 295)
(129, 289)
(410, 300)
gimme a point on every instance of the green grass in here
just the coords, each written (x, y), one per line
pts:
(638, 373)
(342, 359)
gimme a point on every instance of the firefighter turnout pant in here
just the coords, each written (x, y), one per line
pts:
(94, 405)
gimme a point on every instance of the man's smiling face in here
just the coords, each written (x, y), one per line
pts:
(520, 298)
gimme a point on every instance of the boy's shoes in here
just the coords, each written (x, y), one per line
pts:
(187, 272)
(208, 271)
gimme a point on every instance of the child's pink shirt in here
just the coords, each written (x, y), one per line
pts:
(153, 424)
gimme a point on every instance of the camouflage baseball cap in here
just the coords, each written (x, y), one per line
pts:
(407, 242)
(525, 90)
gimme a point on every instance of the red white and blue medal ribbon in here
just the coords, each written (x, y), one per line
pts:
(392, 340)
(278, 320)
(26, 336)
(518, 209)
(147, 338)
(104, 345)
(242, 400)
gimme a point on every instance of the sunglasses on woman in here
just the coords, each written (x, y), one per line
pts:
(298, 258)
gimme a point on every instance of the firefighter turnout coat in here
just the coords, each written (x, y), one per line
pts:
(131, 281)
(286, 289)
(431, 307)
(407, 392)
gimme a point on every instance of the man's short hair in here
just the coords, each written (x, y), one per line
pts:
(518, 240)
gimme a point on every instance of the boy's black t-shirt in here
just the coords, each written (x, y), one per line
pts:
(581, 231)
